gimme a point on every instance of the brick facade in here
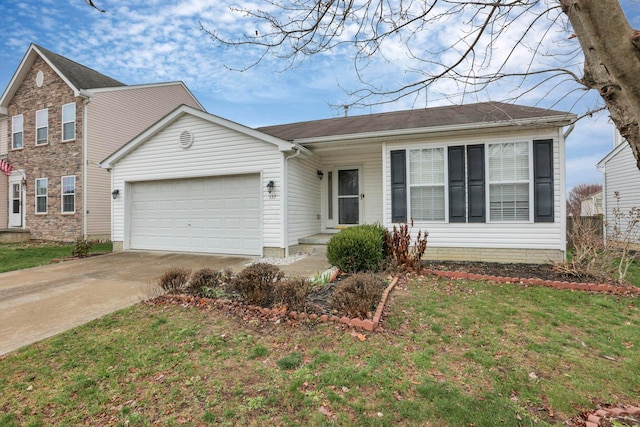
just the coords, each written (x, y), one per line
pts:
(53, 160)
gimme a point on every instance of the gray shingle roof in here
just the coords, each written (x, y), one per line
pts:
(410, 119)
(80, 76)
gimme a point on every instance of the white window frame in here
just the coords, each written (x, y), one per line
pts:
(40, 196)
(443, 184)
(70, 107)
(40, 125)
(62, 194)
(491, 182)
(17, 127)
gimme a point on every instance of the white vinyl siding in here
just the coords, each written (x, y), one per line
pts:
(427, 184)
(42, 127)
(517, 235)
(217, 151)
(509, 181)
(42, 195)
(303, 207)
(69, 121)
(134, 108)
(621, 175)
(68, 195)
(17, 133)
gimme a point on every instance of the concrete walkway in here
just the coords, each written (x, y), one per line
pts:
(39, 302)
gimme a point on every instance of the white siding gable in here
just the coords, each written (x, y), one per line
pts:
(216, 151)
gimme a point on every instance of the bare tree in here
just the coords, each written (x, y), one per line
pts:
(565, 46)
(577, 194)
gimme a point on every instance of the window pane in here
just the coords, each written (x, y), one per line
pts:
(427, 203)
(42, 118)
(68, 194)
(17, 140)
(426, 166)
(41, 187)
(509, 202)
(348, 182)
(69, 112)
(348, 210)
(41, 136)
(68, 131)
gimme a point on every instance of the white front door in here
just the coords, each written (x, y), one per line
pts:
(348, 196)
(15, 204)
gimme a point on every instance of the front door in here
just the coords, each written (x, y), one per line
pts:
(348, 196)
(15, 204)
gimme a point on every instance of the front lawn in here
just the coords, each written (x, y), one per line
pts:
(16, 256)
(452, 353)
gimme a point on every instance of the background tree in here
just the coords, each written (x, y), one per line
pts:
(560, 47)
(577, 194)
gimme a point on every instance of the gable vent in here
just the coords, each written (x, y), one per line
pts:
(186, 139)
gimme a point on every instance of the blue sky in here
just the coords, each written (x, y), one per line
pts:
(160, 40)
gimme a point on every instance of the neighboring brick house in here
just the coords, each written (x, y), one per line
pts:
(58, 119)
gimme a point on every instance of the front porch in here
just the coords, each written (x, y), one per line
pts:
(14, 235)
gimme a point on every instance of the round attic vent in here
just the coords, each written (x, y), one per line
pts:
(186, 139)
(39, 78)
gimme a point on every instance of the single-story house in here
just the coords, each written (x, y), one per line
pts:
(621, 188)
(486, 180)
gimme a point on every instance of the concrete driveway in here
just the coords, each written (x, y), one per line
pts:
(39, 302)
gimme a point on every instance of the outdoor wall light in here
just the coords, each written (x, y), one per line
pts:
(115, 193)
(320, 174)
(270, 186)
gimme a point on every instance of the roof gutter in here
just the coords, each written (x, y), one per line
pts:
(558, 120)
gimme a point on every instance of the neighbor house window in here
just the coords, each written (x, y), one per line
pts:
(69, 121)
(42, 194)
(16, 131)
(68, 194)
(509, 181)
(427, 184)
(42, 127)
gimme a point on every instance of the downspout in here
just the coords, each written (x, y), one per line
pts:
(563, 190)
(85, 162)
(285, 199)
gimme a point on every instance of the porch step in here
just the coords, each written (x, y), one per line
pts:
(14, 235)
(315, 244)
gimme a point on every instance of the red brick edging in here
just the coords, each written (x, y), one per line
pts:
(592, 287)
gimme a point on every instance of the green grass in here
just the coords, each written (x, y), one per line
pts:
(16, 256)
(452, 353)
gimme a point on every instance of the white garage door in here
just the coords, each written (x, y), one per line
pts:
(215, 215)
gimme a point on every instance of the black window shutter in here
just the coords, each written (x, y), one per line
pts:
(543, 196)
(475, 183)
(399, 186)
(457, 211)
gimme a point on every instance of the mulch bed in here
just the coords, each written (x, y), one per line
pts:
(521, 271)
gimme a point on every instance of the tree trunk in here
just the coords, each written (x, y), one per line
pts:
(612, 61)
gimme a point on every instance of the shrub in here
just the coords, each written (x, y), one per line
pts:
(204, 281)
(399, 248)
(256, 283)
(358, 295)
(359, 248)
(292, 293)
(174, 279)
(81, 247)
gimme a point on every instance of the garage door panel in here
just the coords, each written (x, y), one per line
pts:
(216, 215)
